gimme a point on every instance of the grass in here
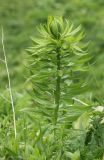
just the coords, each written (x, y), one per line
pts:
(20, 116)
(9, 83)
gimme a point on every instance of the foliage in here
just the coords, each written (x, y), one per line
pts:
(57, 65)
(74, 130)
(19, 18)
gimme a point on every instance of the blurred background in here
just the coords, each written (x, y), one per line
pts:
(20, 19)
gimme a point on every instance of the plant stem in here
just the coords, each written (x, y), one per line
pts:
(9, 84)
(57, 92)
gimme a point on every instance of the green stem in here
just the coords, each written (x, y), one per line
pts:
(57, 92)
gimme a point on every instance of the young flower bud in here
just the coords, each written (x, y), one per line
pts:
(56, 28)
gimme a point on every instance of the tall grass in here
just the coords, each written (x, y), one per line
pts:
(9, 84)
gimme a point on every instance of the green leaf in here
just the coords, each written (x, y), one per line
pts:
(73, 156)
(82, 122)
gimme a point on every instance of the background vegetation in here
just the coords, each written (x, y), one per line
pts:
(20, 20)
